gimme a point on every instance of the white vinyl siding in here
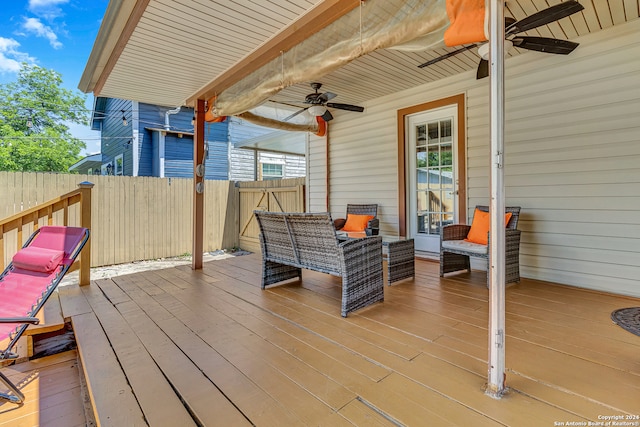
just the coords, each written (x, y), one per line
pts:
(243, 161)
(316, 178)
(571, 157)
(241, 164)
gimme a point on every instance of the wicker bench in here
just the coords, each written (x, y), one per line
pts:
(455, 251)
(293, 241)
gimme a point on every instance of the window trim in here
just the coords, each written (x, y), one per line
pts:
(271, 177)
(117, 172)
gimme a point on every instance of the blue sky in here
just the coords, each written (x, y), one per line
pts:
(55, 34)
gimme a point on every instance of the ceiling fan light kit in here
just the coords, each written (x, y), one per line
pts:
(483, 50)
(317, 110)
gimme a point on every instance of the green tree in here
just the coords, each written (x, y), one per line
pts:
(34, 112)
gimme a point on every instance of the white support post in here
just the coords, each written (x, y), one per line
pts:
(496, 382)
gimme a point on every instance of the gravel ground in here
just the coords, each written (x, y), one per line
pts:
(135, 267)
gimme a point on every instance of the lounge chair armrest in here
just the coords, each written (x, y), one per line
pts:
(339, 223)
(454, 231)
(31, 320)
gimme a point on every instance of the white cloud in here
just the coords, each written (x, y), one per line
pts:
(35, 26)
(47, 8)
(11, 57)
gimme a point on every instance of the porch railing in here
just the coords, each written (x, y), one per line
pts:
(73, 208)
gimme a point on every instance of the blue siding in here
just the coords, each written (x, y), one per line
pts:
(179, 154)
(115, 136)
(149, 116)
(155, 148)
(217, 164)
(178, 151)
(152, 116)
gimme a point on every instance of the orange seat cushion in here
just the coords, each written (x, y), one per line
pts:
(356, 222)
(479, 232)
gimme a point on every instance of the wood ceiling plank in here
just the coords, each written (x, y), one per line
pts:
(631, 9)
(604, 13)
(591, 17)
(322, 15)
(199, 22)
(616, 7)
(121, 44)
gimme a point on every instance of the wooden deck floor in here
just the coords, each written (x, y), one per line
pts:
(177, 347)
(53, 393)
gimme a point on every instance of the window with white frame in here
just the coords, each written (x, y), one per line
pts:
(119, 164)
(271, 171)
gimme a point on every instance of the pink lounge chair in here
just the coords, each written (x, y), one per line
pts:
(27, 283)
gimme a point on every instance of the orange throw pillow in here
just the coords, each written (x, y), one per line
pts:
(356, 222)
(480, 227)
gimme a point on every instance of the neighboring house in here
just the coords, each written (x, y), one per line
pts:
(91, 165)
(139, 139)
(265, 155)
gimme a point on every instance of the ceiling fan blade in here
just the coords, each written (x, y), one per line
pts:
(293, 115)
(447, 55)
(544, 17)
(328, 95)
(544, 44)
(483, 69)
(347, 107)
(327, 116)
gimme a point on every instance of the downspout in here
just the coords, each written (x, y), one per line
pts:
(166, 117)
(161, 137)
(327, 172)
(135, 146)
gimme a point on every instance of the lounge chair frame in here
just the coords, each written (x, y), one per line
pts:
(80, 237)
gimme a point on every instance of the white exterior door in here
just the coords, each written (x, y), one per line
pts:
(432, 175)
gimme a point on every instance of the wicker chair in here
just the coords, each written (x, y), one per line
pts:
(455, 251)
(373, 227)
(293, 241)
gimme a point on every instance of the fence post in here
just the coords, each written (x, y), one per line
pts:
(85, 221)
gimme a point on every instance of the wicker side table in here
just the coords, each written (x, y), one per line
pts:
(400, 258)
(400, 253)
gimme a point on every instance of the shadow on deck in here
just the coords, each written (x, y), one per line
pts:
(181, 347)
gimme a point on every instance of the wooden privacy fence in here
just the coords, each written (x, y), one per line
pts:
(142, 218)
(287, 195)
(133, 218)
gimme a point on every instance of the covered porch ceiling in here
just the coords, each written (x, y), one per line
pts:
(172, 52)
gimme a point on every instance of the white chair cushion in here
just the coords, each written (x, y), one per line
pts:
(463, 245)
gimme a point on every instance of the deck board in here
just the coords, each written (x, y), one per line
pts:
(285, 356)
(154, 395)
(113, 401)
(203, 398)
(51, 386)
